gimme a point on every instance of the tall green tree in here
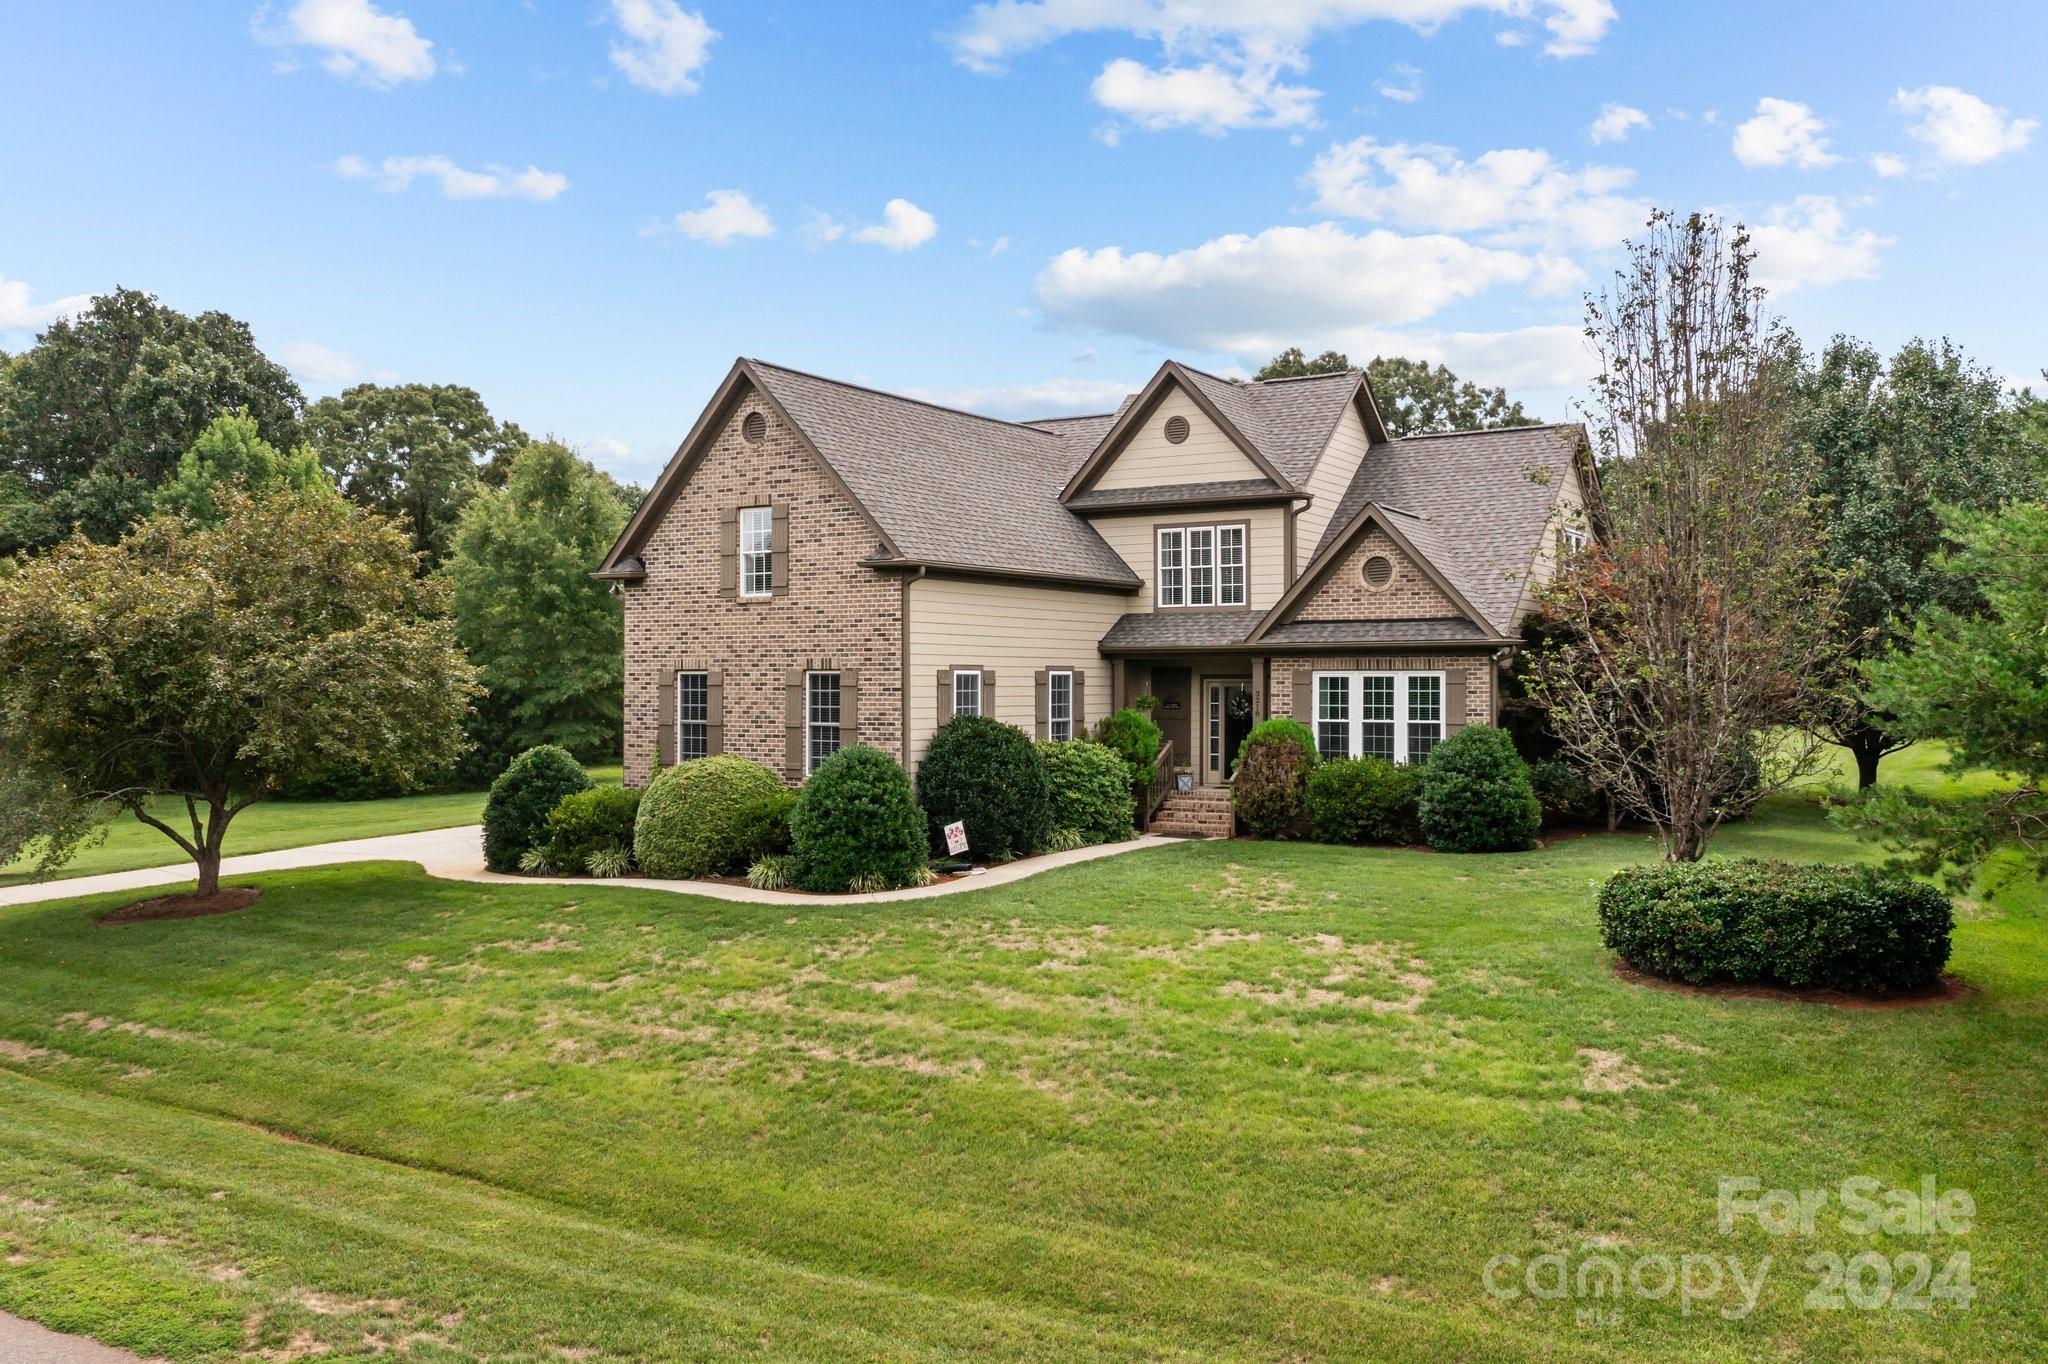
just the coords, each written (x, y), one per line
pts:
(219, 665)
(232, 453)
(414, 451)
(549, 640)
(98, 413)
(1413, 396)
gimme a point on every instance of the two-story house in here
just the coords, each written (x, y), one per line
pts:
(822, 564)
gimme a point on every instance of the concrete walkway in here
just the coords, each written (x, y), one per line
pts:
(24, 1342)
(458, 855)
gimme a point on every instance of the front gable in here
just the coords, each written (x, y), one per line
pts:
(1172, 434)
(1374, 570)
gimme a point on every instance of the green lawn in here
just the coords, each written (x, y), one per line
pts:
(268, 826)
(1219, 1100)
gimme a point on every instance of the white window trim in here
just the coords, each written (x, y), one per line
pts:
(811, 725)
(767, 555)
(1571, 539)
(974, 673)
(1051, 721)
(684, 725)
(1355, 689)
(1244, 562)
(1180, 583)
(1184, 572)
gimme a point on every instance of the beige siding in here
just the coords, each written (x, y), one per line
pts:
(1149, 459)
(1333, 473)
(1569, 511)
(1012, 630)
(1133, 537)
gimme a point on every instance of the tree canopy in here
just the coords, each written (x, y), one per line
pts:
(1413, 397)
(231, 453)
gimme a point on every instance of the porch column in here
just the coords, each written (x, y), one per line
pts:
(1258, 690)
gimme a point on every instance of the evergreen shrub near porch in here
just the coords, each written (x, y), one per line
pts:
(1363, 800)
(985, 774)
(1476, 795)
(1270, 790)
(1090, 791)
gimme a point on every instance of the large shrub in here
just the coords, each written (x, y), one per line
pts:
(857, 825)
(687, 817)
(587, 823)
(1563, 793)
(525, 793)
(1278, 729)
(1132, 736)
(984, 773)
(1363, 800)
(761, 828)
(1270, 790)
(1842, 928)
(1090, 790)
(1476, 795)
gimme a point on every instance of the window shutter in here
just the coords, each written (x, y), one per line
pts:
(1454, 700)
(988, 694)
(1305, 697)
(945, 711)
(665, 722)
(729, 552)
(778, 519)
(849, 707)
(1080, 704)
(1042, 706)
(793, 727)
(714, 712)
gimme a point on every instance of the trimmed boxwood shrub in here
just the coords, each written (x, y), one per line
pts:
(516, 811)
(1476, 795)
(857, 825)
(1133, 736)
(1755, 922)
(1363, 800)
(983, 772)
(761, 828)
(1090, 790)
(1270, 789)
(686, 819)
(599, 820)
(1281, 727)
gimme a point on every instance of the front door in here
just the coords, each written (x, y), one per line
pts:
(1227, 714)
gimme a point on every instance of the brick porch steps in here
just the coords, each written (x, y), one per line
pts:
(1202, 813)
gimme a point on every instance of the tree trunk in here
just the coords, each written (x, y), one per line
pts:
(1868, 748)
(208, 860)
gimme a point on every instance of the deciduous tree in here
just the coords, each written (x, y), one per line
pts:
(1413, 396)
(231, 453)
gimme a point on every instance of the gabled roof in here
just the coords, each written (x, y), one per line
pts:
(1412, 534)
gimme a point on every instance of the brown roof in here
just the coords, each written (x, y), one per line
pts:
(1450, 630)
(1174, 494)
(1289, 420)
(1179, 629)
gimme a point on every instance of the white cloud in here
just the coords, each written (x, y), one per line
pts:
(1783, 132)
(1021, 402)
(396, 173)
(727, 216)
(665, 46)
(1244, 294)
(1403, 84)
(1576, 26)
(998, 246)
(1808, 242)
(904, 225)
(821, 229)
(19, 313)
(1616, 122)
(1889, 166)
(321, 366)
(359, 41)
(1210, 98)
(1961, 129)
(607, 446)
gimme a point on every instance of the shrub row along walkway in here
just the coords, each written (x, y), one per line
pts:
(457, 855)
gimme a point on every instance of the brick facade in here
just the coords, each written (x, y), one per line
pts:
(835, 615)
(1343, 593)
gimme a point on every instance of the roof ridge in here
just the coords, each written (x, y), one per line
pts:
(897, 397)
(1047, 421)
(1299, 378)
(1489, 431)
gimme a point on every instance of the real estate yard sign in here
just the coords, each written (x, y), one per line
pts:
(956, 838)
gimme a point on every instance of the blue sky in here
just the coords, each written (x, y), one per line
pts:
(585, 209)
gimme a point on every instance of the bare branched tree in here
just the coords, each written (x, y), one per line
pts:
(1694, 629)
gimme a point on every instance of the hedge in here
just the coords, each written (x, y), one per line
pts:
(687, 818)
(525, 793)
(1363, 800)
(1089, 788)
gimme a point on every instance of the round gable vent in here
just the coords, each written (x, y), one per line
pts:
(754, 427)
(1378, 571)
(1176, 429)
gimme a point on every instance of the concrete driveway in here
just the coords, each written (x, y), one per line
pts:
(24, 1342)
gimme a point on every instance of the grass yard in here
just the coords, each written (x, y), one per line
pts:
(270, 825)
(1238, 1100)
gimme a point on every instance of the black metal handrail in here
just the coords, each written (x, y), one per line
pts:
(1157, 790)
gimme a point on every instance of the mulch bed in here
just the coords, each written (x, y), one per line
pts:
(1947, 990)
(186, 906)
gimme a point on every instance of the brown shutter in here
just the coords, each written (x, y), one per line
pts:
(849, 707)
(988, 694)
(665, 719)
(729, 552)
(778, 518)
(945, 711)
(1043, 704)
(793, 728)
(1305, 696)
(1454, 699)
(714, 712)
(1080, 704)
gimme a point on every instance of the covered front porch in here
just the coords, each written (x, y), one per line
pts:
(1208, 703)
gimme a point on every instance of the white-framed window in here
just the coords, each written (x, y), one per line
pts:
(1173, 545)
(1570, 540)
(1201, 565)
(1396, 716)
(757, 551)
(1059, 705)
(821, 718)
(693, 716)
(967, 691)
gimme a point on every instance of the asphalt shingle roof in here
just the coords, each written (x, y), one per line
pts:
(1289, 420)
(1180, 629)
(1453, 630)
(1167, 494)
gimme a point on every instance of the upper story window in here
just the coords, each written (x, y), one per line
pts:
(967, 692)
(1201, 565)
(1570, 540)
(757, 551)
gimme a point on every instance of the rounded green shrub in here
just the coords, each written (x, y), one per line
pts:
(984, 773)
(1270, 790)
(1090, 790)
(1363, 800)
(857, 824)
(516, 811)
(1754, 922)
(1132, 735)
(1476, 795)
(1281, 728)
(584, 823)
(761, 828)
(687, 817)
